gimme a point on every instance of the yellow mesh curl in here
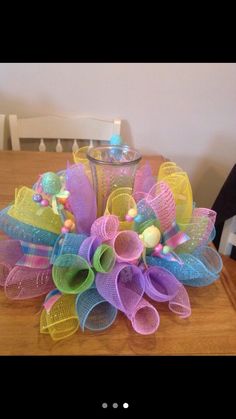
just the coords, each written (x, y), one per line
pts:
(27, 211)
(119, 202)
(80, 156)
(62, 320)
(179, 184)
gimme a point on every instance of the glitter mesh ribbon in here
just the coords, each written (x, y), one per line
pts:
(180, 186)
(68, 243)
(82, 199)
(10, 253)
(199, 230)
(28, 211)
(197, 270)
(20, 231)
(161, 199)
(94, 312)
(72, 274)
(145, 211)
(23, 283)
(123, 287)
(62, 320)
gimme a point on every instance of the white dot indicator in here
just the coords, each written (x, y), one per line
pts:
(125, 405)
(104, 405)
(115, 405)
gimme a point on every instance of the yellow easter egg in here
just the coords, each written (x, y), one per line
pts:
(151, 236)
(132, 212)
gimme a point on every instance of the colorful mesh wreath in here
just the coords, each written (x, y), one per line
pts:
(147, 246)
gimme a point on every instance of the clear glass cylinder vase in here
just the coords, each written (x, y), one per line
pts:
(112, 167)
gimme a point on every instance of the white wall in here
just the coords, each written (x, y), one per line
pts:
(186, 112)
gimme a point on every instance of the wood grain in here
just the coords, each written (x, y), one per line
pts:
(210, 330)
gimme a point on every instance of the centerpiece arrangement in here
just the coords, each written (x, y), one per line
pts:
(104, 235)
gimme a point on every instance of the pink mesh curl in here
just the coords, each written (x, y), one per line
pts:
(23, 282)
(145, 318)
(161, 199)
(105, 227)
(127, 246)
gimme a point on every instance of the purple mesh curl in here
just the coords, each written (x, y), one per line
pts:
(82, 199)
(88, 248)
(123, 287)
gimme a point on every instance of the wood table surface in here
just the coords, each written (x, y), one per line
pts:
(211, 329)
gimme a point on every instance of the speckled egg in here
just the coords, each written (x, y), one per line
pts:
(51, 183)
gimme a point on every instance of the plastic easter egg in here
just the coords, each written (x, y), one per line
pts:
(65, 230)
(132, 212)
(37, 197)
(158, 248)
(44, 203)
(166, 249)
(68, 224)
(151, 236)
(138, 218)
(115, 139)
(128, 218)
(51, 183)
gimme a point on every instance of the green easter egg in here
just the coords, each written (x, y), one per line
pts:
(51, 183)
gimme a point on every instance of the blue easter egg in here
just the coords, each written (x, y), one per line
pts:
(115, 139)
(138, 218)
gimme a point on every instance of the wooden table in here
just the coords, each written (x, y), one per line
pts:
(211, 329)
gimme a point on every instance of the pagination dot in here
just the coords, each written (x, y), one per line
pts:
(104, 405)
(125, 405)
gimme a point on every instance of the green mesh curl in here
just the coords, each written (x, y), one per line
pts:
(104, 258)
(72, 274)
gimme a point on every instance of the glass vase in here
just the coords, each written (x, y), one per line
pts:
(112, 167)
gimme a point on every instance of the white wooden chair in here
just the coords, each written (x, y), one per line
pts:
(3, 132)
(228, 236)
(52, 127)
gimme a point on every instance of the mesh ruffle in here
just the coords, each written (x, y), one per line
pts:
(20, 231)
(68, 243)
